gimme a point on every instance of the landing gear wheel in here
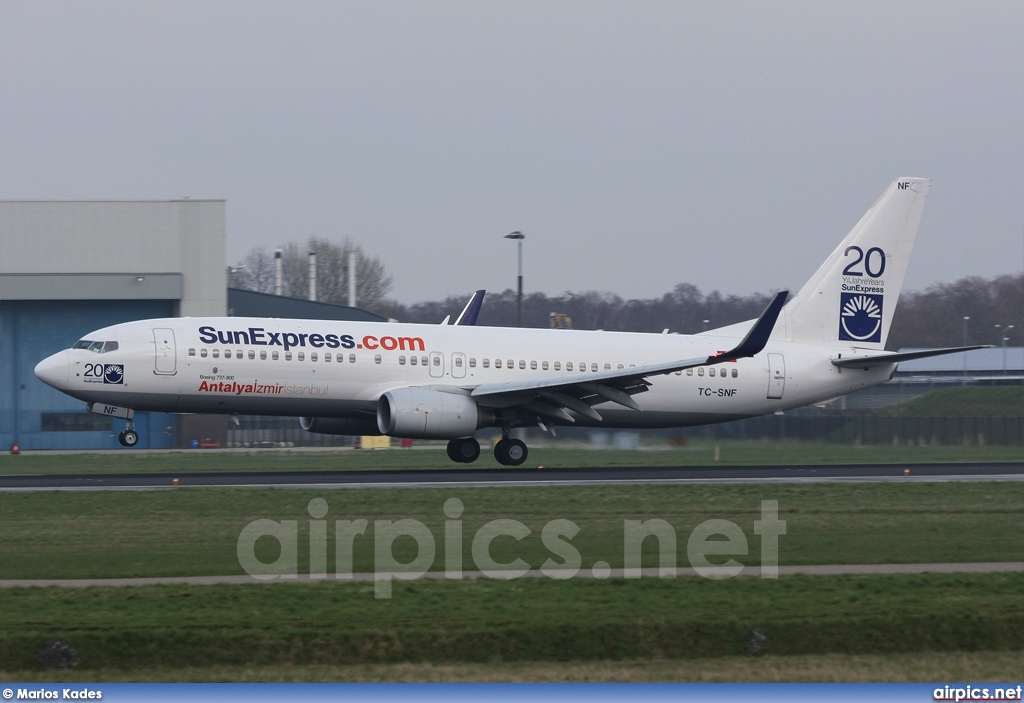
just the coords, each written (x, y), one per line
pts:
(464, 451)
(510, 452)
(128, 438)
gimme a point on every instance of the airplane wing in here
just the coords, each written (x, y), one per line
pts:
(551, 397)
(866, 362)
(471, 312)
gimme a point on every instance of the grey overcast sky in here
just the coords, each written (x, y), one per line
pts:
(637, 144)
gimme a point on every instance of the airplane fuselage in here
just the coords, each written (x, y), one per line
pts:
(340, 369)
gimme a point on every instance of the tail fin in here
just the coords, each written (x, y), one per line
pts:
(852, 297)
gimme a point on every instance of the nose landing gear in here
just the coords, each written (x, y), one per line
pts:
(128, 436)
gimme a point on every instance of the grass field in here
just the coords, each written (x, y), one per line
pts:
(195, 531)
(878, 628)
(505, 621)
(731, 453)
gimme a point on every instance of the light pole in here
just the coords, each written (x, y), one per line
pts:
(706, 325)
(964, 376)
(519, 237)
(1005, 334)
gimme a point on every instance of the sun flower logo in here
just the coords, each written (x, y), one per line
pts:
(860, 317)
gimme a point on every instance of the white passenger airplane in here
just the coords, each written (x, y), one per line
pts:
(448, 381)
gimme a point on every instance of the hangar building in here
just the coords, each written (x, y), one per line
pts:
(70, 267)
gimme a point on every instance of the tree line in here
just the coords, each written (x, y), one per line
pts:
(933, 317)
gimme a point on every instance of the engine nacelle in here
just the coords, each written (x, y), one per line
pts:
(339, 425)
(422, 413)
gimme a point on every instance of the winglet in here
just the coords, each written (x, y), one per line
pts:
(758, 335)
(471, 312)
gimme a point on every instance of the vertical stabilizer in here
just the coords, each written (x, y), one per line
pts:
(852, 297)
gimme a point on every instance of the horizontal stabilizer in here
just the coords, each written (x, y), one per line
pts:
(865, 362)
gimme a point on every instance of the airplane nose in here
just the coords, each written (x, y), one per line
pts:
(54, 370)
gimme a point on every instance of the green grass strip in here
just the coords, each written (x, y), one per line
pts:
(194, 532)
(526, 620)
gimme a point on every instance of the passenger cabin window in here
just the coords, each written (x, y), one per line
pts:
(263, 355)
(215, 353)
(376, 358)
(558, 366)
(568, 366)
(533, 365)
(689, 372)
(302, 356)
(700, 371)
(287, 356)
(191, 352)
(423, 360)
(227, 353)
(458, 362)
(413, 360)
(202, 353)
(437, 361)
(327, 356)
(487, 363)
(472, 362)
(522, 363)
(312, 356)
(735, 373)
(711, 371)
(593, 367)
(544, 365)
(276, 356)
(511, 364)
(252, 354)
(351, 358)
(497, 363)
(607, 367)
(401, 360)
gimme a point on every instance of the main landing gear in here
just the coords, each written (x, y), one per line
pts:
(128, 437)
(464, 451)
(507, 451)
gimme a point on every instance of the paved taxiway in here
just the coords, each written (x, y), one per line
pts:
(486, 477)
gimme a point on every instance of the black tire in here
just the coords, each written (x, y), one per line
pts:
(463, 451)
(501, 452)
(129, 438)
(516, 452)
(467, 450)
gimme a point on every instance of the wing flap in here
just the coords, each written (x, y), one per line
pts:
(577, 392)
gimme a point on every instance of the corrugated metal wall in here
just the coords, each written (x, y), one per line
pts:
(31, 331)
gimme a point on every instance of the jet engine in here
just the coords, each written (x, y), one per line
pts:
(422, 413)
(339, 425)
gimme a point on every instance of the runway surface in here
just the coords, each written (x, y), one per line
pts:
(468, 477)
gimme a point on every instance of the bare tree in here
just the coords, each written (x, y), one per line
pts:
(372, 281)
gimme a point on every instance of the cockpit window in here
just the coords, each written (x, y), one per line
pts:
(97, 347)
